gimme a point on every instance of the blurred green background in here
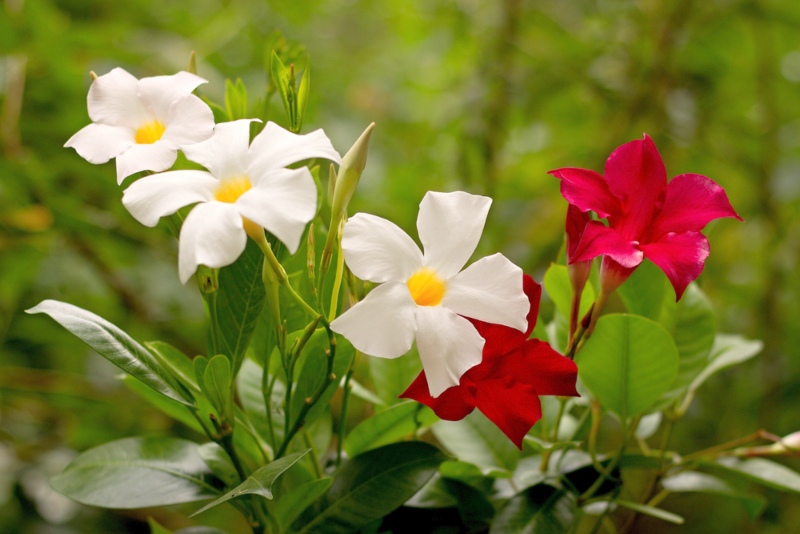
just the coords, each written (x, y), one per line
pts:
(479, 95)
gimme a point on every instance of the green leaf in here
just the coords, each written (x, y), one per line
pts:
(290, 505)
(282, 80)
(156, 528)
(302, 93)
(178, 411)
(645, 291)
(260, 482)
(541, 509)
(248, 384)
(389, 425)
(236, 99)
(559, 289)
(628, 363)
(116, 346)
(239, 302)
(652, 511)
(692, 481)
(475, 439)
(390, 377)
(218, 386)
(178, 363)
(219, 462)
(374, 483)
(766, 472)
(728, 350)
(138, 473)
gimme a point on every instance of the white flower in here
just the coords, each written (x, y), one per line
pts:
(246, 184)
(142, 122)
(424, 296)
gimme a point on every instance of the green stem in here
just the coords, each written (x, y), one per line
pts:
(314, 460)
(337, 282)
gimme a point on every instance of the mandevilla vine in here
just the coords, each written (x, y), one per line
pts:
(303, 302)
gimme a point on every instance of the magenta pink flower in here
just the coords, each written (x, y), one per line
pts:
(648, 217)
(507, 383)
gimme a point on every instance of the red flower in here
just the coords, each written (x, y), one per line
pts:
(507, 383)
(647, 217)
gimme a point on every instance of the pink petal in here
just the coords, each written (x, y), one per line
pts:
(511, 405)
(599, 239)
(587, 190)
(453, 405)
(575, 225)
(692, 201)
(680, 256)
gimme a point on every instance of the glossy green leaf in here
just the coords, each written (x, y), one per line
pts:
(652, 511)
(178, 363)
(236, 100)
(156, 528)
(218, 385)
(559, 289)
(176, 410)
(138, 473)
(219, 462)
(302, 94)
(541, 509)
(478, 441)
(260, 482)
(645, 291)
(766, 472)
(370, 485)
(248, 384)
(692, 481)
(628, 363)
(728, 350)
(289, 506)
(239, 302)
(390, 377)
(116, 346)
(391, 424)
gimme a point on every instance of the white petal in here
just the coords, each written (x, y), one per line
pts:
(450, 226)
(113, 99)
(190, 121)
(224, 154)
(155, 157)
(152, 197)
(282, 201)
(276, 147)
(157, 93)
(382, 324)
(378, 250)
(489, 290)
(98, 143)
(448, 346)
(212, 235)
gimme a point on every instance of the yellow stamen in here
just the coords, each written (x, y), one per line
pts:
(149, 132)
(426, 288)
(230, 189)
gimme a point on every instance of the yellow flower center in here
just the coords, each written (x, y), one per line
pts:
(149, 132)
(426, 288)
(230, 189)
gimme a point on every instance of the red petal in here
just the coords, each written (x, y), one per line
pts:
(587, 190)
(680, 256)
(635, 173)
(575, 226)
(545, 369)
(453, 404)
(512, 405)
(599, 239)
(692, 201)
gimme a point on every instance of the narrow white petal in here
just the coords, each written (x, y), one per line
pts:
(113, 99)
(382, 324)
(156, 157)
(224, 154)
(448, 346)
(212, 235)
(98, 143)
(152, 197)
(489, 290)
(450, 226)
(282, 201)
(276, 147)
(190, 121)
(158, 92)
(378, 250)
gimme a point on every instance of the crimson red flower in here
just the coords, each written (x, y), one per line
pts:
(507, 383)
(647, 217)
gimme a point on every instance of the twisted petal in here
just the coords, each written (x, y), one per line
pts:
(448, 346)
(189, 121)
(156, 157)
(510, 404)
(587, 190)
(599, 239)
(378, 250)
(276, 147)
(224, 154)
(382, 324)
(98, 143)
(212, 235)
(489, 290)
(113, 99)
(152, 197)
(159, 92)
(691, 202)
(453, 404)
(282, 201)
(450, 226)
(680, 256)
